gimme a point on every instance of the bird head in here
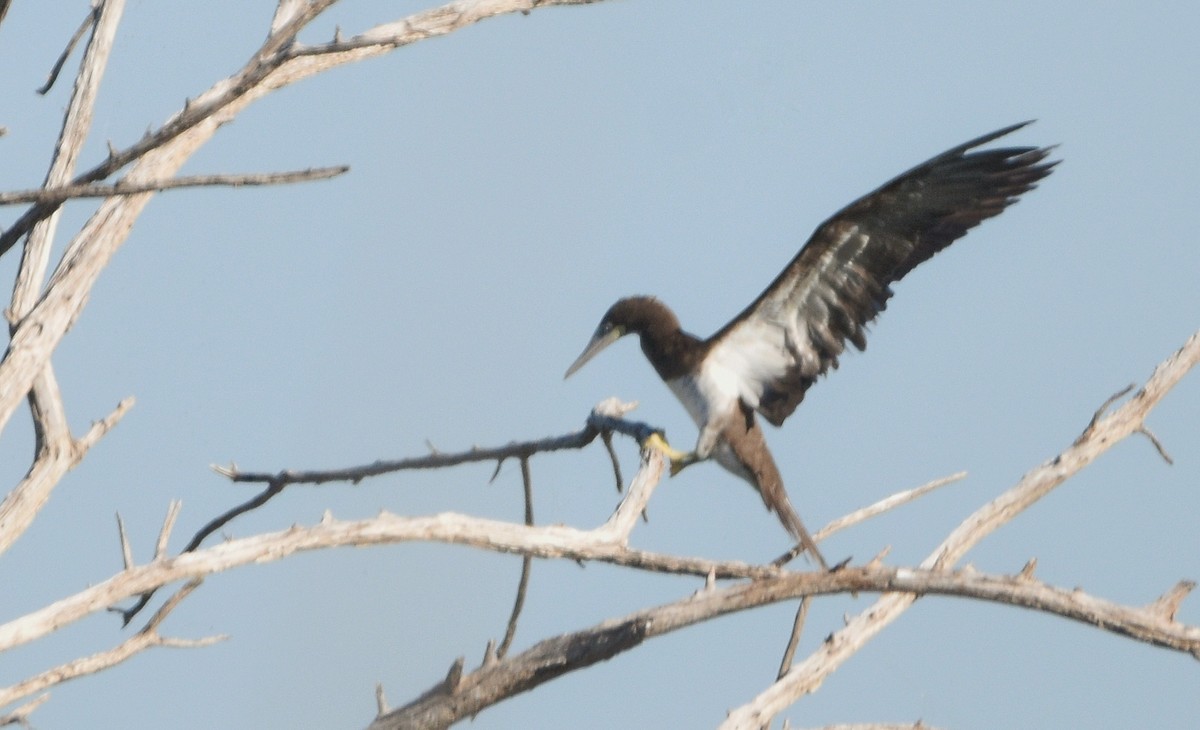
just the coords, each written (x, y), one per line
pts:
(644, 316)
(613, 326)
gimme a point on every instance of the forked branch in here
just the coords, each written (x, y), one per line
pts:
(1101, 434)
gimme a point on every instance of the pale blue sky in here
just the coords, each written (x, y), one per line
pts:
(508, 183)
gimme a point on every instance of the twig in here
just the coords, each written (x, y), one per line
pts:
(794, 640)
(596, 423)
(1145, 431)
(381, 703)
(57, 195)
(88, 22)
(872, 510)
(126, 549)
(128, 614)
(606, 437)
(147, 637)
(164, 535)
(20, 716)
(526, 566)
(1091, 427)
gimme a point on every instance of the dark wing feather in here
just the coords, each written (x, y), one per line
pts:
(840, 280)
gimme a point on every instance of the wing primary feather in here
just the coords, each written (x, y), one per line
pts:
(841, 279)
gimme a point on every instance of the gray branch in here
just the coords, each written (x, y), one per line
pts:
(56, 195)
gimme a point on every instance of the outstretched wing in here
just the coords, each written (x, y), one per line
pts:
(778, 346)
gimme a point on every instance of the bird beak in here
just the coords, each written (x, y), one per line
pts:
(599, 341)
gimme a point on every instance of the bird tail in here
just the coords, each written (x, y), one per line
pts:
(791, 522)
(753, 462)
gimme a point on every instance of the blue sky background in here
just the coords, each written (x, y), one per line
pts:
(508, 183)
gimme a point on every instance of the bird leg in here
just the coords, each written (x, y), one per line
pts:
(678, 458)
(705, 444)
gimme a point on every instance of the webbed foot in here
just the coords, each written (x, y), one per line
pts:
(679, 459)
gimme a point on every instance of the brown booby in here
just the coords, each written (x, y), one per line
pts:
(769, 355)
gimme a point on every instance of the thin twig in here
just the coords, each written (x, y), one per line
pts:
(20, 716)
(606, 437)
(56, 195)
(872, 510)
(1099, 413)
(164, 535)
(794, 640)
(126, 549)
(88, 22)
(526, 566)
(127, 614)
(438, 460)
(1145, 431)
(147, 637)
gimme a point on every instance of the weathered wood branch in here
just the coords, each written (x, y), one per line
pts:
(1101, 434)
(276, 64)
(56, 451)
(606, 543)
(160, 155)
(146, 638)
(55, 195)
(606, 416)
(474, 691)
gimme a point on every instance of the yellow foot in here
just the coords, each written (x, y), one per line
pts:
(679, 460)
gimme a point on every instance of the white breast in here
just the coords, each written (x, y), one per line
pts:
(715, 389)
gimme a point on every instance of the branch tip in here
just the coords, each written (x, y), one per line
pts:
(1091, 427)
(1145, 431)
(381, 703)
(877, 561)
(1027, 571)
(20, 716)
(454, 677)
(126, 549)
(164, 535)
(1166, 605)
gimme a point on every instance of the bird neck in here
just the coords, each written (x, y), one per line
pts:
(673, 352)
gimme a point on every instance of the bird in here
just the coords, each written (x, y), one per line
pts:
(767, 357)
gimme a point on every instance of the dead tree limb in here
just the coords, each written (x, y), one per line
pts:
(1100, 435)
(474, 691)
(56, 195)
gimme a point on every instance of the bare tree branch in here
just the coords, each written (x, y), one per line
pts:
(146, 638)
(20, 716)
(88, 22)
(553, 657)
(22, 504)
(872, 510)
(526, 564)
(1099, 436)
(600, 420)
(56, 195)
(56, 451)
(276, 64)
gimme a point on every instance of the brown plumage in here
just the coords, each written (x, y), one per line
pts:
(768, 356)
